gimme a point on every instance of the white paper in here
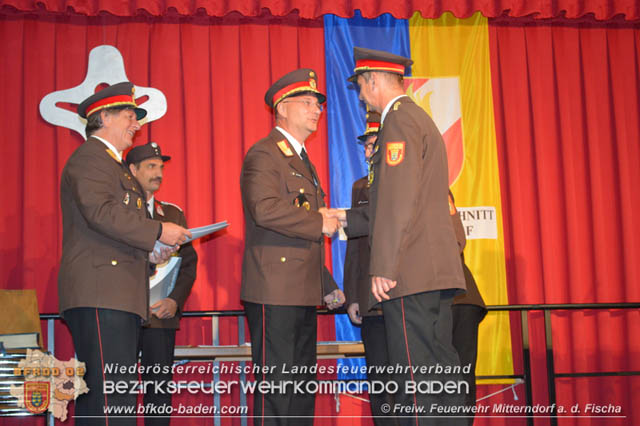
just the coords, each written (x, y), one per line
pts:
(196, 233)
(161, 284)
(206, 230)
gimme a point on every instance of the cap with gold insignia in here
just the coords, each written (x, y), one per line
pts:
(143, 152)
(377, 60)
(294, 83)
(373, 126)
(117, 95)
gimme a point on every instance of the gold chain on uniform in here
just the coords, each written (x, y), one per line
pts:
(370, 165)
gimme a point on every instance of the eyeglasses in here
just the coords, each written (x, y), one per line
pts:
(307, 104)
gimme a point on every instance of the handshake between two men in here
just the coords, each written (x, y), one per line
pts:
(332, 221)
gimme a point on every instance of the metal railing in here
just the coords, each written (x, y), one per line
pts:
(552, 375)
(524, 310)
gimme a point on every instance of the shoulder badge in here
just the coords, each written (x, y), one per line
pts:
(169, 204)
(285, 148)
(396, 105)
(112, 155)
(395, 153)
(452, 207)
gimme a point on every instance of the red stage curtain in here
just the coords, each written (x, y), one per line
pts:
(568, 124)
(214, 76)
(600, 9)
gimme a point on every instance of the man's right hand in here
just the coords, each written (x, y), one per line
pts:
(330, 224)
(354, 313)
(380, 286)
(340, 214)
(173, 234)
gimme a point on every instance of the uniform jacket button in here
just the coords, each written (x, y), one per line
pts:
(114, 262)
(283, 259)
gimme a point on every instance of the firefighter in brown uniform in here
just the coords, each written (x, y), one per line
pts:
(157, 340)
(468, 310)
(357, 289)
(283, 272)
(107, 244)
(415, 264)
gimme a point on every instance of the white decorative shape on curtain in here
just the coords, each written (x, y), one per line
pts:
(105, 66)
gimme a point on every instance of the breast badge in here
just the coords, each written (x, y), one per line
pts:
(370, 176)
(301, 200)
(126, 199)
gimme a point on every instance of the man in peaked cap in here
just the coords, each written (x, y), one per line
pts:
(357, 288)
(158, 336)
(415, 264)
(107, 244)
(283, 272)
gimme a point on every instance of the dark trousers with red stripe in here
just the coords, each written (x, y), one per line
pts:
(104, 337)
(283, 338)
(419, 337)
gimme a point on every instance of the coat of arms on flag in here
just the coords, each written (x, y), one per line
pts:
(440, 98)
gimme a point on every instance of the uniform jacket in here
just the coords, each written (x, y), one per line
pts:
(472, 296)
(357, 281)
(106, 235)
(167, 212)
(283, 260)
(411, 235)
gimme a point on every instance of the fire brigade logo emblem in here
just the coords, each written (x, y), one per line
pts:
(36, 396)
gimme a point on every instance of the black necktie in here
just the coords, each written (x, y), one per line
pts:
(305, 160)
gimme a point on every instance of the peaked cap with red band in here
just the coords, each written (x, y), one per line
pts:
(377, 60)
(117, 95)
(298, 82)
(373, 126)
